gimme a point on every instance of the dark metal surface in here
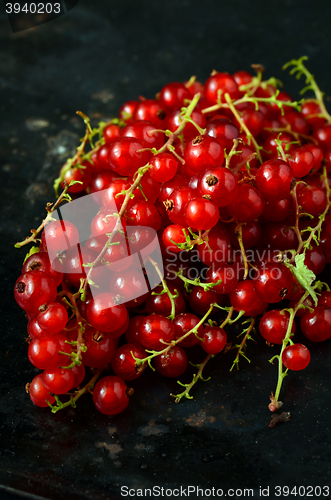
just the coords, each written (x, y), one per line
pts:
(94, 58)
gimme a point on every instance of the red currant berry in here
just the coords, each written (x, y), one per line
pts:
(219, 84)
(58, 380)
(164, 167)
(273, 282)
(33, 289)
(247, 205)
(172, 363)
(273, 326)
(39, 394)
(316, 325)
(201, 214)
(296, 357)
(243, 298)
(110, 395)
(184, 323)
(103, 313)
(155, 332)
(214, 340)
(123, 157)
(124, 364)
(273, 179)
(52, 318)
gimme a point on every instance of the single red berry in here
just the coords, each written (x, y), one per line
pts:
(155, 331)
(247, 204)
(219, 84)
(203, 152)
(225, 274)
(58, 380)
(201, 214)
(164, 167)
(124, 364)
(273, 179)
(173, 95)
(296, 357)
(172, 363)
(219, 184)
(110, 395)
(273, 326)
(39, 394)
(244, 298)
(123, 157)
(273, 282)
(33, 289)
(316, 325)
(103, 313)
(214, 339)
(52, 318)
(184, 323)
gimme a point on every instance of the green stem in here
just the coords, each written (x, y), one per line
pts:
(244, 127)
(188, 387)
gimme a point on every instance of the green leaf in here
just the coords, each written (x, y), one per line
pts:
(31, 252)
(303, 275)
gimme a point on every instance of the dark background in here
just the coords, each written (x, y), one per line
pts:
(93, 59)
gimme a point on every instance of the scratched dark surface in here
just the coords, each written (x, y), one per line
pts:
(92, 59)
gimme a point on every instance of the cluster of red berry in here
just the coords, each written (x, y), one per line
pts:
(233, 177)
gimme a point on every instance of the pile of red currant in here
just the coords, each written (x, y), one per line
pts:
(232, 177)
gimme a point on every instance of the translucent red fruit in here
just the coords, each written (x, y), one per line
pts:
(52, 318)
(247, 204)
(224, 274)
(174, 235)
(273, 326)
(273, 179)
(200, 300)
(100, 348)
(203, 152)
(58, 380)
(145, 133)
(214, 339)
(103, 313)
(124, 364)
(154, 331)
(172, 363)
(110, 395)
(39, 394)
(219, 84)
(201, 214)
(40, 262)
(218, 248)
(312, 199)
(43, 352)
(81, 174)
(316, 325)
(173, 95)
(161, 304)
(184, 323)
(273, 282)
(244, 298)
(220, 184)
(164, 167)
(296, 357)
(301, 162)
(33, 289)
(60, 235)
(123, 156)
(223, 130)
